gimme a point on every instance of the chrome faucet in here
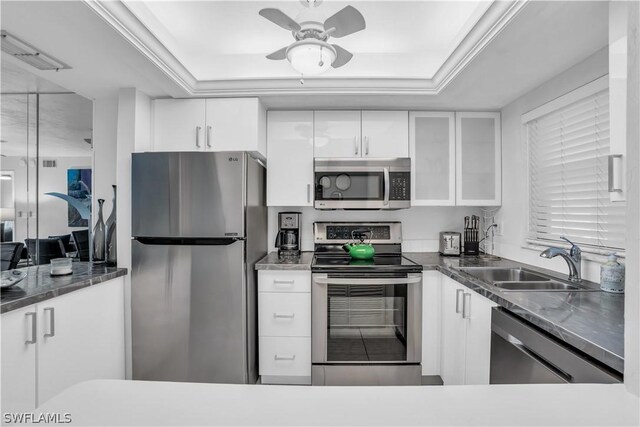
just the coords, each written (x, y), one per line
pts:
(573, 258)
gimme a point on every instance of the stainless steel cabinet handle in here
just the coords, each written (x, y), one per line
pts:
(615, 172)
(465, 314)
(208, 136)
(276, 357)
(34, 336)
(355, 143)
(284, 315)
(366, 145)
(284, 282)
(52, 322)
(308, 193)
(458, 292)
(198, 129)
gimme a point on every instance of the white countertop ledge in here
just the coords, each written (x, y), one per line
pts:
(144, 403)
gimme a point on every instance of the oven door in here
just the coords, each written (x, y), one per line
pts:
(366, 319)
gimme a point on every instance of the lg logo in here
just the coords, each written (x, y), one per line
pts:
(233, 159)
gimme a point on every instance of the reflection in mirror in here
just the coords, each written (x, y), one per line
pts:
(47, 152)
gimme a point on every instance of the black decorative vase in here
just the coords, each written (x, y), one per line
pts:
(111, 244)
(99, 236)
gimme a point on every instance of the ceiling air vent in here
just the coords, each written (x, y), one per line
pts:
(29, 54)
(49, 164)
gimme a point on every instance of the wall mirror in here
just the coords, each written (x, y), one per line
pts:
(46, 168)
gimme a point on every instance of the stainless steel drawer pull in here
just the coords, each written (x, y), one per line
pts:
(458, 292)
(276, 357)
(52, 322)
(284, 282)
(198, 129)
(466, 314)
(366, 145)
(209, 136)
(284, 315)
(355, 144)
(34, 336)
(308, 193)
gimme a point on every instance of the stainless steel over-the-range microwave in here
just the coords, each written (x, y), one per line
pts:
(362, 183)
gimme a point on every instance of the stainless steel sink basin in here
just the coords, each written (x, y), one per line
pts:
(492, 275)
(519, 279)
(548, 285)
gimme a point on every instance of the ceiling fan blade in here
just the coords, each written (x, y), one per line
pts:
(342, 56)
(279, 54)
(346, 21)
(280, 18)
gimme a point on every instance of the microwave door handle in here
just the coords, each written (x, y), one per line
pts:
(387, 185)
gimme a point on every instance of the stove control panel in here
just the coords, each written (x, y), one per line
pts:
(332, 233)
(344, 232)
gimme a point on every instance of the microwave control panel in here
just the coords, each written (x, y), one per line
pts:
(400, 188)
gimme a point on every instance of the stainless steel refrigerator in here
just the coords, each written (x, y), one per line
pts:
(199, 224)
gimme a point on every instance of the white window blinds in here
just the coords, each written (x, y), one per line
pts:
(568, 187)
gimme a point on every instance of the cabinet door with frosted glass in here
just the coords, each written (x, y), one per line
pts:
(432, 146)
(478, 159)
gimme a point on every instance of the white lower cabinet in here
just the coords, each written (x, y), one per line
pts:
(52, 345)
(465, 334)
(431, 322)
(284, 327)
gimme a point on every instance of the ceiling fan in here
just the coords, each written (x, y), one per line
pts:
(311, 53)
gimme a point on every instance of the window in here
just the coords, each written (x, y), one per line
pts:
(568, 148)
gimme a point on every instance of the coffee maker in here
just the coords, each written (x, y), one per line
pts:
(288, 237)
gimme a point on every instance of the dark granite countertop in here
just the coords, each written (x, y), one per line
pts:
(592, 322)
(272, 262)
(39, 285)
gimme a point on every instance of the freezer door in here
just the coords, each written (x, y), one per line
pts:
(189, 313)
(188, 194)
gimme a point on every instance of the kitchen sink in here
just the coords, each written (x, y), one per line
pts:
(492, 274)
(519, 279)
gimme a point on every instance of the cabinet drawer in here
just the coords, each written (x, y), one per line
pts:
(284, 281)
(284, 314)
(289, 356)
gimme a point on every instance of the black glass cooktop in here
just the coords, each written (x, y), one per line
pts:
(378, 263)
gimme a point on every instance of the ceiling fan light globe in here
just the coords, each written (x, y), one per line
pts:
(311, 57)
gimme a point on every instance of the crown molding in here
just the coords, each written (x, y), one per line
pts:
(490, 24)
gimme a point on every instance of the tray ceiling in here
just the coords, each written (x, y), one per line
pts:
(228, 40)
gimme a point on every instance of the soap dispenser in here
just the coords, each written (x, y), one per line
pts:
(612, 275)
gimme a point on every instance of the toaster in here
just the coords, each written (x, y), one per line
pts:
(450, 243)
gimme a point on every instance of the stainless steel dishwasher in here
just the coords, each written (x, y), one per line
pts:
(522, 354)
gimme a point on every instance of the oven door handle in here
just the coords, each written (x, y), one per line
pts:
(387, 187)
(344, 281)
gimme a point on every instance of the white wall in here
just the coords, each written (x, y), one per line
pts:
(632, 288)
(133, 134)
(420, 225)
(105, 126)
(514, 211)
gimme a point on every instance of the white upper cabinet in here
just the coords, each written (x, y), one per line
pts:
(375, 134)
(432, 146)
(478, 161)
(290, 158)
(236, 125)
(178, 124)
(337, 134)
(221, 124)
(385, 134)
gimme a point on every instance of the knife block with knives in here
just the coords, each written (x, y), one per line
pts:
(472, 235)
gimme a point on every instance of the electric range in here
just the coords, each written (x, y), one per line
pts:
(366, 324)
